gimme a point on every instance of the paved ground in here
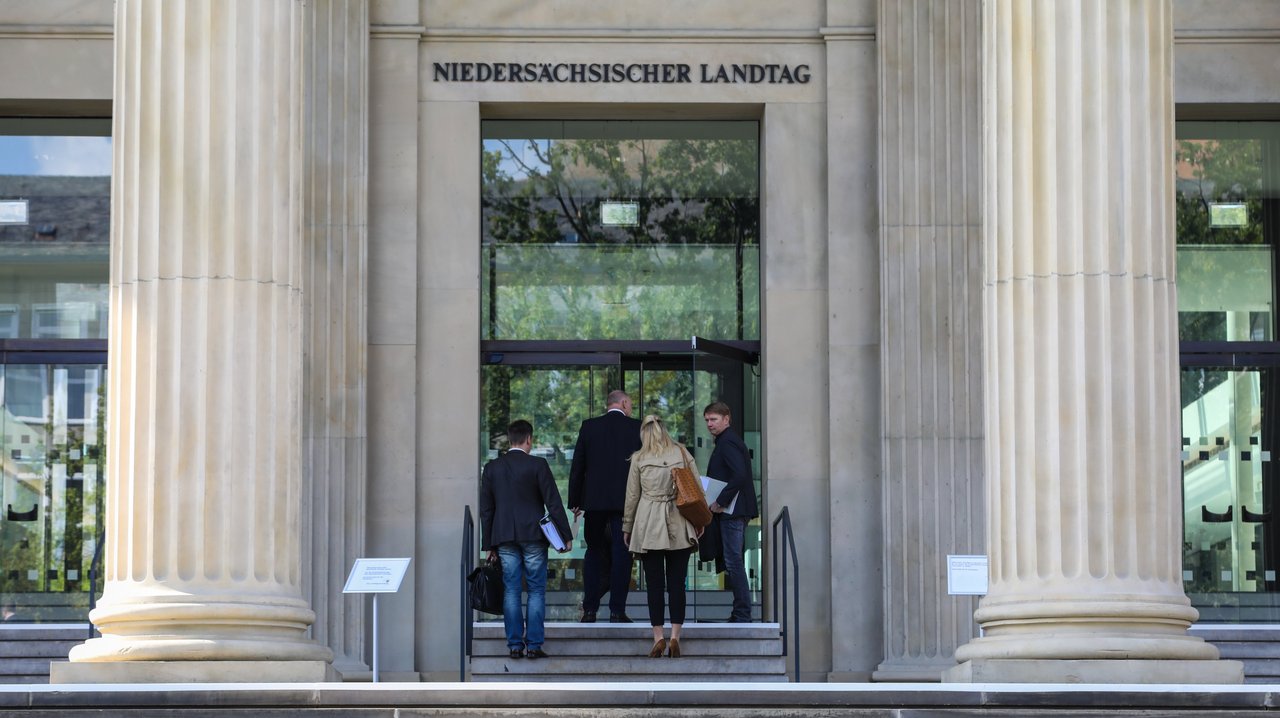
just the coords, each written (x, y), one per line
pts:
(406, 700)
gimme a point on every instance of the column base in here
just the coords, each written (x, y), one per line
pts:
(194, 672)
(1114, 671)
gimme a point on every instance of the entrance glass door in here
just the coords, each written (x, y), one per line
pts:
(557, 391)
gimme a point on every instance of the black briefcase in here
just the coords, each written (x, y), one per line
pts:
(485, 589)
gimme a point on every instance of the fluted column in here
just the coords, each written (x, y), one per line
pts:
(335, 208)
(931, 268)
(1081, 352)
(203, 558)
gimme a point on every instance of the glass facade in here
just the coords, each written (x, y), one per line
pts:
(1228, 176)
(605, 247)
(55, 192)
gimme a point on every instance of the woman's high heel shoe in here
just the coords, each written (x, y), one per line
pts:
(673, 648)
(659, 647)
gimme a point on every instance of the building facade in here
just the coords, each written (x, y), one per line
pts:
(926, 249)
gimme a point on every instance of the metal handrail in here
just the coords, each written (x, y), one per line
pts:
(788, 535)
(468, 563)
(94, 563)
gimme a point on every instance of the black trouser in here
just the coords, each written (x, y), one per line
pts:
(664, 572)
(607, 566)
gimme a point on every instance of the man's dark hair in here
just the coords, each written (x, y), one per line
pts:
(718, 407)
(519, 432)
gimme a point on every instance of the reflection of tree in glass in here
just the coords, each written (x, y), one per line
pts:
(553, 270)
(1216, 171)
(1212, 171)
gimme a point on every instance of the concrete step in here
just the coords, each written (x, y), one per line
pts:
(36, 649)
(691, 647)
(1215, 634)
(1257, 646)
(33, 667)
(26, 649)
(1261, 668)
(619, 652)
(1249, 649)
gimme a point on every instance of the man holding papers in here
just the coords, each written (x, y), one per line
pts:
(516, 492)
(735, 506)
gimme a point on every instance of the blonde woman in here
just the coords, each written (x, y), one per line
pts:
(656, 532)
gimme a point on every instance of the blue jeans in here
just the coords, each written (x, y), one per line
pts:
(733, 539)
(528, 562)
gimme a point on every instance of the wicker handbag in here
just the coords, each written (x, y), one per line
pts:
(690, 501)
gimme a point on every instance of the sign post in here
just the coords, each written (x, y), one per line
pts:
(376, 575)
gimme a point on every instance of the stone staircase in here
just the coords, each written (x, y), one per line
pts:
(27, 649)
(1256, 646)
(583, 652)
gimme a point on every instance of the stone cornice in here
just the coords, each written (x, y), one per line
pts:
(833, 34)
(397, 32)
(1259, 35)
(620, 35)
(58, 32)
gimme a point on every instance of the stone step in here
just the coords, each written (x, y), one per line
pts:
(1215, 634)
(1261, 668)
(757, 631)
(629, 678)
(1249, 649)
(637, 667)
(25, 667)
(26, 649)
(598, 647)
(619, 652)
(44, 632)
(36, 649)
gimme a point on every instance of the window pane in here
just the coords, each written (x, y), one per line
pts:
(55, 195)
(620, 230)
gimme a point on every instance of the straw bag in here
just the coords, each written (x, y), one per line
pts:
(690, 501)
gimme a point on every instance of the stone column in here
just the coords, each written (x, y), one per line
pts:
(335, 208)
(203, 560)
(931, 242)
(1083, 501)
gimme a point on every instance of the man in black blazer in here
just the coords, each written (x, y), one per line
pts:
(516, 490)
(731, 464)
(598, 486)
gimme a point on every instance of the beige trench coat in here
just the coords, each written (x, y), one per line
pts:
(649, 513)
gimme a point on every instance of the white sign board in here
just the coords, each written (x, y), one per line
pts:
(967, 575)
(620, 214)
(376, 575)
(13, 211)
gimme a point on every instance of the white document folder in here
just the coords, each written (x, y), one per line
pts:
(552, 533)
(712, 488)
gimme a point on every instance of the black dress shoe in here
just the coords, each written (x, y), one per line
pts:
(588, 617)
(536, 653)
(517, 653)
(620, 618)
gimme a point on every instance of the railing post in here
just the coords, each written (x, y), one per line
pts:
(783, 522)
(466, 564)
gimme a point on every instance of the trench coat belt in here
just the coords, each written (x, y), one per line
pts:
(660, 498)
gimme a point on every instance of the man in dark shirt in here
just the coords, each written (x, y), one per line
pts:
(516, 490)
(598, 486)
(736, 504)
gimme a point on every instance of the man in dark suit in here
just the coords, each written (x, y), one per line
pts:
(516, 490)
(735, 506)
(598, 486)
